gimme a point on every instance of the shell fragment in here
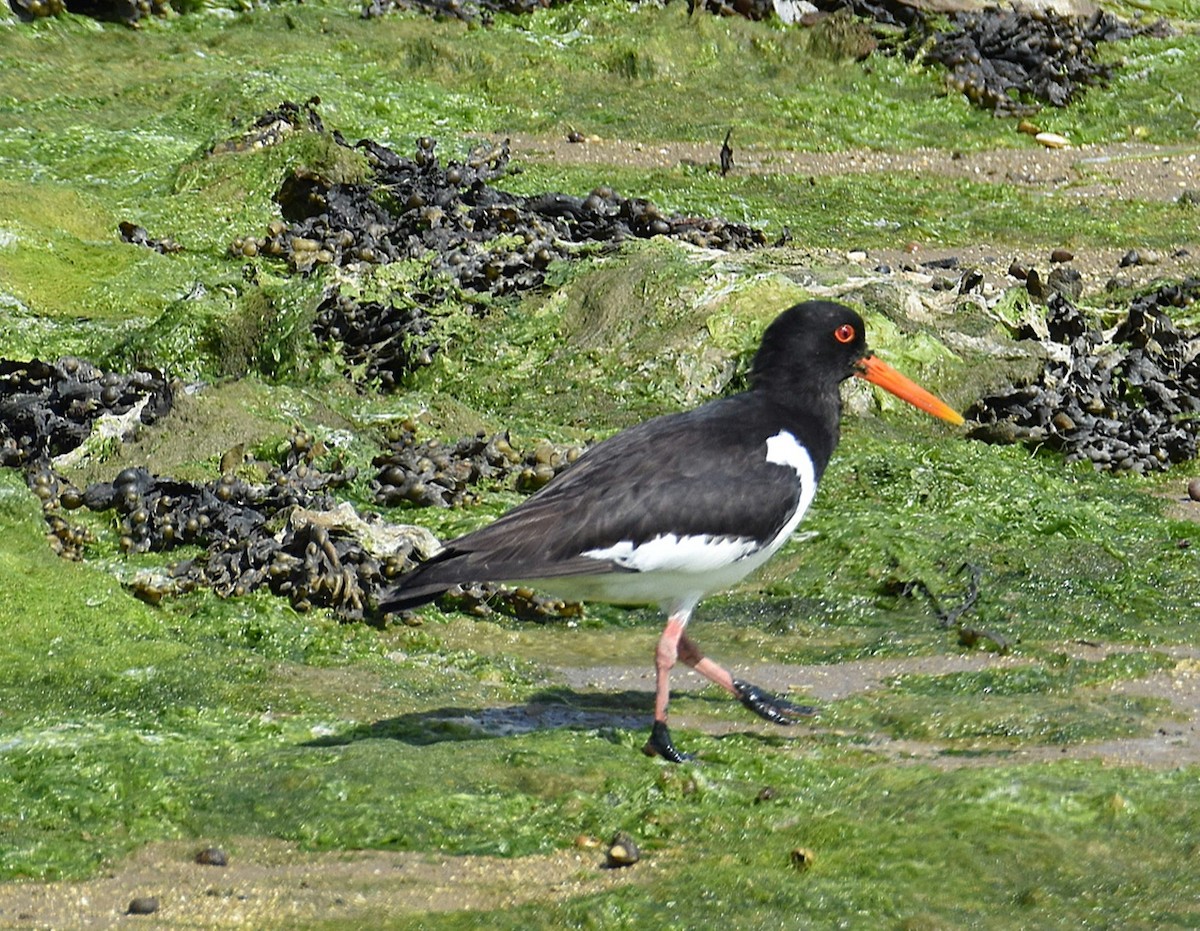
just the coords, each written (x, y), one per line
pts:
(1053, 140)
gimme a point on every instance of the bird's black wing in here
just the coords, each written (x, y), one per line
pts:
(702, 472)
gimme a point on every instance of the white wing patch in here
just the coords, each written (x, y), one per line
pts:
(669, 552)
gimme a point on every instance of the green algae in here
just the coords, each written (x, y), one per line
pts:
(149, 169)
(884, 210)
(122, 724)
(997, 843)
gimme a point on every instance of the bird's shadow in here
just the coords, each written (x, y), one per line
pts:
(557, 708)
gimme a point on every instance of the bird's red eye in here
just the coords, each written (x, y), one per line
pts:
(844, 333)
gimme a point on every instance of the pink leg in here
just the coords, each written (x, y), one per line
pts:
(690, 654)
(664, 658)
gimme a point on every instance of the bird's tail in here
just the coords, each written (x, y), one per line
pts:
(402, 599)
(424, 584)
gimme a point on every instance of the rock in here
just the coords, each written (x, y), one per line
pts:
(1066, 281)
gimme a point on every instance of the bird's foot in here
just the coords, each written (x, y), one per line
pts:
(768, 707)
(660, 744)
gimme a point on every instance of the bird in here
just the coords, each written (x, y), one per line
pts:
(685, 504)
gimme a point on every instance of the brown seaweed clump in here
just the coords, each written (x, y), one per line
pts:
(432, 474)
(49, 409)
(470, 232)
(1013, 62)
(1127, 401)
(129, 12)
(470, 11)
(380, 343)
(284, 532)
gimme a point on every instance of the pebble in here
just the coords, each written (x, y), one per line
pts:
(212, 856)
(142, 905)
(1194, 489)
(1061, 255)
(1034, 285)
(622, 851)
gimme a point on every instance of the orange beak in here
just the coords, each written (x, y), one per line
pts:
(881, 374)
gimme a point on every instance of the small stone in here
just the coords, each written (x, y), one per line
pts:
(1061, 255)
(622, 851)
(765, 794)
(1130, 258)
(1194, 489)
(1034, 285)
(212, 856)
(142, 905)
(802, 858)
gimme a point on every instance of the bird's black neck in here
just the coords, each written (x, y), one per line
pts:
(812, 417)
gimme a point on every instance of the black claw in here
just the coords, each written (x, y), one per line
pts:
(660, 744)
(767, 706)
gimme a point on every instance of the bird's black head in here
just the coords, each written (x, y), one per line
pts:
(812, 347)
(820, 342)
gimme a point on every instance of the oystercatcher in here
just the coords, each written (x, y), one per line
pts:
(685, 504)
